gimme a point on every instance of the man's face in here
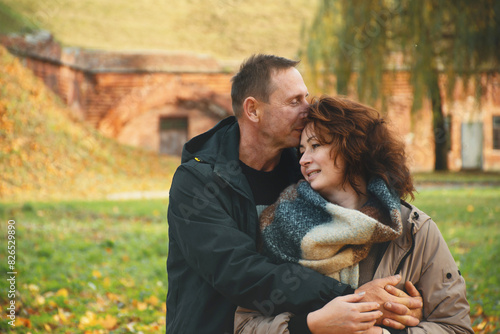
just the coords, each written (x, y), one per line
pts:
(282, 119)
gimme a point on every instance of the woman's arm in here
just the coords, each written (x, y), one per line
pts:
(253, 322)
(446, 309)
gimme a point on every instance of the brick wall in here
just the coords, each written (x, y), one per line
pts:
(124, 95)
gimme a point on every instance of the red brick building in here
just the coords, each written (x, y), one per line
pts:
(159, 100)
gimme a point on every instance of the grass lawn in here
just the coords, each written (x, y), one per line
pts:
(99, 266)
(225, 29)
(88, 266)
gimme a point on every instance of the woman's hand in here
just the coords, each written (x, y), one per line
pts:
(402, 315)
(407, 309)
(345, 315)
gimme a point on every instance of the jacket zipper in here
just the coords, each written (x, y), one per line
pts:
(409, 251)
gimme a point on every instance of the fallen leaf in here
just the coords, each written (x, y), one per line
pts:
(87, 320)
(23, 322)
(109, 322)
(106, 282)
(33, 288)
(153, 300)
(40, 300)
(62, 292)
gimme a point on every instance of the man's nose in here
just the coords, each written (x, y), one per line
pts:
(305, 108)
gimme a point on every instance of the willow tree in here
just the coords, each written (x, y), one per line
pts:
(458, 38)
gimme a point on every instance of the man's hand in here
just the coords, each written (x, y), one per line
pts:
(402, 314)
(398, 310)
(345, 315)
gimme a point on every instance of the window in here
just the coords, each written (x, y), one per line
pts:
(496, 132)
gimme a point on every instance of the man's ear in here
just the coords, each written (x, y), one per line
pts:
(250, 106)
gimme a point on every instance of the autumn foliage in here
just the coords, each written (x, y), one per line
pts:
(46, 153)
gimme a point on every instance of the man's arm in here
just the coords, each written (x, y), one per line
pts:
(215, 247)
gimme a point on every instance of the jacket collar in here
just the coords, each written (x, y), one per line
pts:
(411, 216)
(220, 148)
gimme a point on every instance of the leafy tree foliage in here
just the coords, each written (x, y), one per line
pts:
(362, 39)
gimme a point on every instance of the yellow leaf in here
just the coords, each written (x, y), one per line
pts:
(23, 322)
(96, 274)
(142, 306)
(87, 320)
(62, 315)
(109, 322)
(152, 300)
(62, 292)
(33, 288)
(106, 282)
(114, 297)
(40, 300)
(129, 283)
(125, 258)
(47, 327)
(470, 208)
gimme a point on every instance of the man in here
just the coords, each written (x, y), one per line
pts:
(227, 176)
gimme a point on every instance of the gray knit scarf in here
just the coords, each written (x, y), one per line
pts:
(304, 228)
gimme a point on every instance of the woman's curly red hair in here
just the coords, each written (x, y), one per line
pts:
(360, 136)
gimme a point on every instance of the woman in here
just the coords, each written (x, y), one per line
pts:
(346, 220)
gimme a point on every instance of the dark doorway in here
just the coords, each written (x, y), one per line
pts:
(173, 135)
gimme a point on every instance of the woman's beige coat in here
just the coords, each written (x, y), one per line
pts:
(421, 256)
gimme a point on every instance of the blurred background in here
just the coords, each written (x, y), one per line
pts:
(98, 97)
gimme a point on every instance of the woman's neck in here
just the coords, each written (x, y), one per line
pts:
(348, 197)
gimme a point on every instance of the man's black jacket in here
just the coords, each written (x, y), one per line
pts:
(213, 264)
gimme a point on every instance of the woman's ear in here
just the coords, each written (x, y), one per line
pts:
(250, 108)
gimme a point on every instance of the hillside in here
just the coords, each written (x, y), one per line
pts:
(226, 29)
(12, 21)
(47, 154)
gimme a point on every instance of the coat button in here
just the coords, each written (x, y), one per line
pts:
(448, 275)
(415, 215)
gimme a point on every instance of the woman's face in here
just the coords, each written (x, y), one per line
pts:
(318, 165)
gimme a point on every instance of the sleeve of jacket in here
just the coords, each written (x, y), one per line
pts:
(446, 309)
(253, 322)
(215, 247)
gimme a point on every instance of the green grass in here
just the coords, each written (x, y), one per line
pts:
(469, 219)
(108, 258)
(461, 177)
(11, 21)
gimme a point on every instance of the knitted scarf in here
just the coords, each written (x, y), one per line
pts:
(304, 228)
